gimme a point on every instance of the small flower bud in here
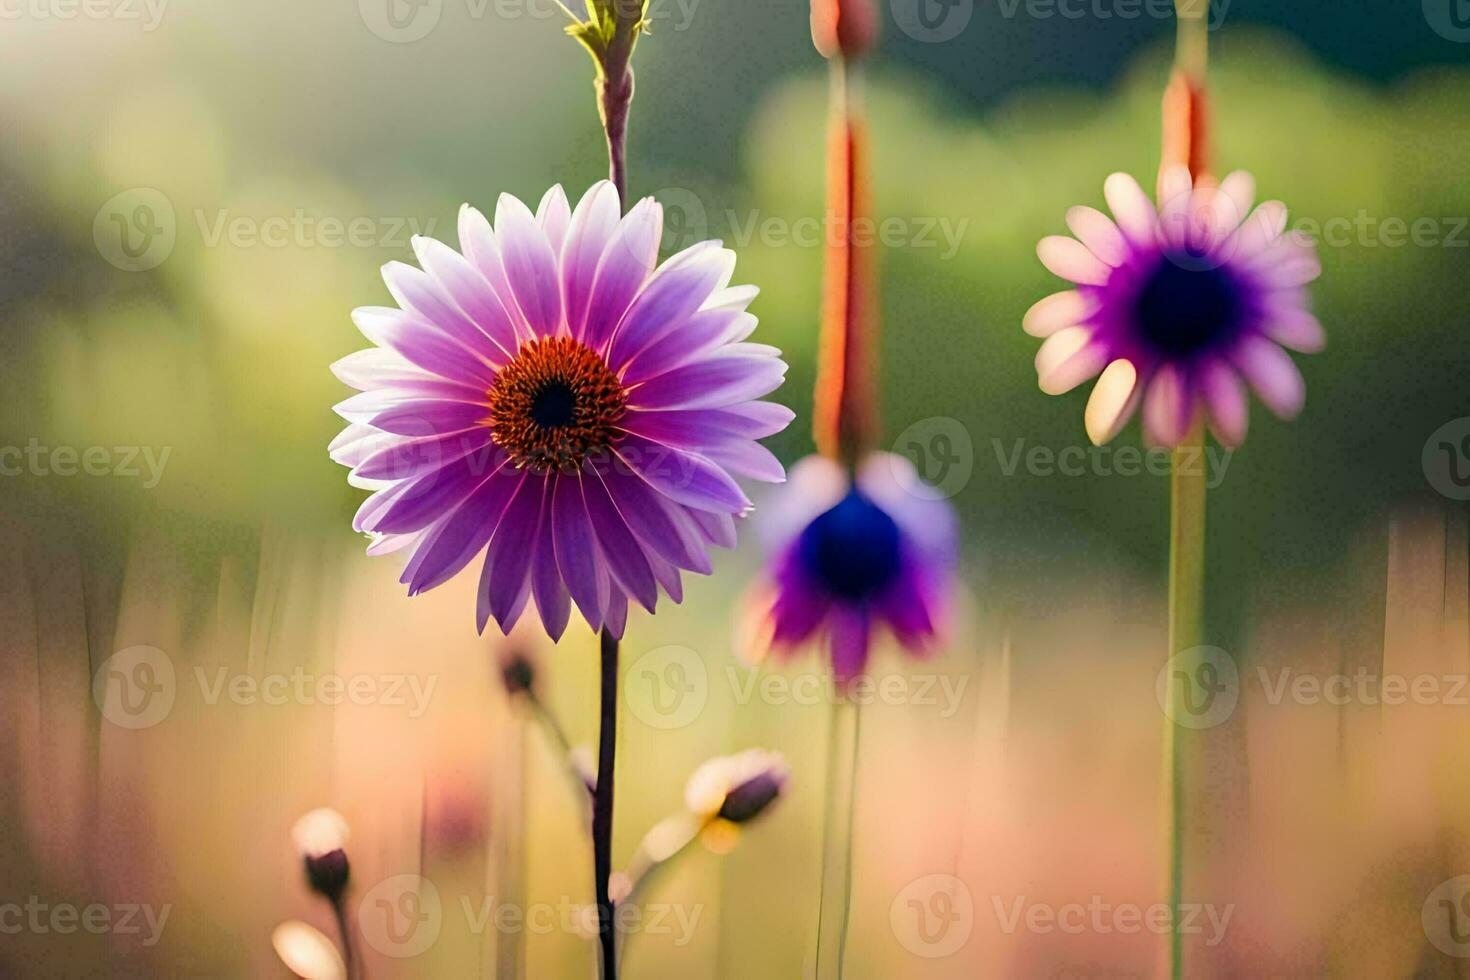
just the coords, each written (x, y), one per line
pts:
(321, 838)
(517, 671)
(845, 27)
(737, 788)
(746, 801)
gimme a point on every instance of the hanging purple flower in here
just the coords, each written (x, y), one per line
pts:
(1176, 306)
(851, 558)
(555, 399)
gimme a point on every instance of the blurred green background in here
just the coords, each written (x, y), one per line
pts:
(208, 133)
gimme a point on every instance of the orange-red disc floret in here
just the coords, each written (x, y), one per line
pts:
(554, 405)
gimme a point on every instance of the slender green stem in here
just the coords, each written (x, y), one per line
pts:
(557, 735)
(1186, 595)
(1192, 42)
(835, 902)
(644, 869)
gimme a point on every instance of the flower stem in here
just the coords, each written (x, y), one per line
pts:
(602, 805)
(644, 869)
(349, 957)
(615, 100)
(557, 736)
(615, 89)
(1185, 141)
(844, 414)
(1192, 42)
(835, 901)
(1186, 593)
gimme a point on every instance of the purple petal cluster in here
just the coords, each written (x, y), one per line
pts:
(553, 403)
(853, 558)
(1178, 307)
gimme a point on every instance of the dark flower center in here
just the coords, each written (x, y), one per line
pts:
(852, 549)
(554, 405)
(1185, 307)
(746, 801)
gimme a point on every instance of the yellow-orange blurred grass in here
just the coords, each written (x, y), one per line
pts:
(1325, 826)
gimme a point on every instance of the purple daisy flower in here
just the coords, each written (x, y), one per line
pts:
(851, 556)
(556, 399)
(1175, 306)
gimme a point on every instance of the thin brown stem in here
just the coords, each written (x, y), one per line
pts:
(615, 88)
(344, 926)
(602, 805)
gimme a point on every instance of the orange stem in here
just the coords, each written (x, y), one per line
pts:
(845, 418)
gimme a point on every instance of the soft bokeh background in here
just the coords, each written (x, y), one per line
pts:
(205, 130)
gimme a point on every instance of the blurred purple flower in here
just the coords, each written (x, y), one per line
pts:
(851, 556)
(1174, 306)
(557, 400)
